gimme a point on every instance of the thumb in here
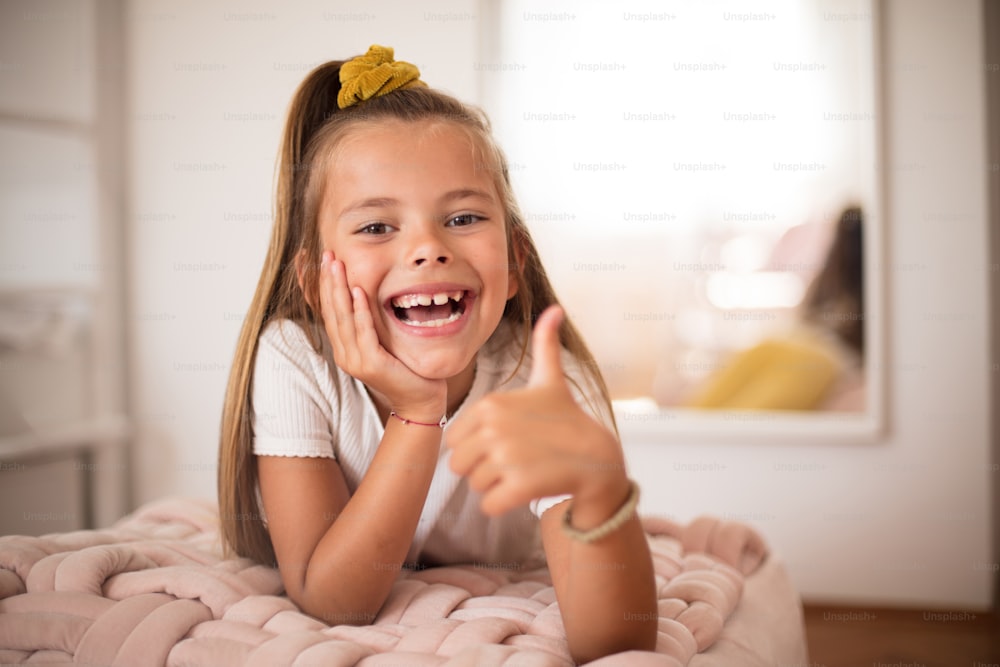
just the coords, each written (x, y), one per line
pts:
(546, 364)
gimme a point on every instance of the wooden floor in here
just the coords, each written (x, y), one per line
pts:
(854, 637)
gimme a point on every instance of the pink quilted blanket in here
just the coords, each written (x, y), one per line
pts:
(155, 590)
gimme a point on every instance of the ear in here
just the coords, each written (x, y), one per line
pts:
(517, 243)
(306, 279)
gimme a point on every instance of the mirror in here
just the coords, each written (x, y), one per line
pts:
(683, 168)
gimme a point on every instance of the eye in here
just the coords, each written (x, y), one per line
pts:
(375, 229)
(464, 220)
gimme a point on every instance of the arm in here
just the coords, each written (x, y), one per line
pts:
(606, 588)
(339, 554)
(537, 442)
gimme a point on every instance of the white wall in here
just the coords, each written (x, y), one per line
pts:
(209, 83)
(906, 520)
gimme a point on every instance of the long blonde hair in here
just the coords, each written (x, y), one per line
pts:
(314, 127)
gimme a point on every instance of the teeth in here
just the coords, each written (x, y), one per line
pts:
(438, 298)
(436, 323)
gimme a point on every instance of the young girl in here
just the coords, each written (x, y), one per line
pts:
(383, 410)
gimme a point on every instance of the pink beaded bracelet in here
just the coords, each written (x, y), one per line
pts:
(444, 420)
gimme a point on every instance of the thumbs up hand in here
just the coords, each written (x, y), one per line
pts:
(536, 441)
(546, 351)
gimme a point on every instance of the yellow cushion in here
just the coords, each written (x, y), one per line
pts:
(777, 374)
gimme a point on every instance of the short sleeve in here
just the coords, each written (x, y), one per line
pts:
(292, 415)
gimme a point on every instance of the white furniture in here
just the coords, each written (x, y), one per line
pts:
(63, 461)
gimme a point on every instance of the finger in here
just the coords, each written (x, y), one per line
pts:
(326, 301)
(484, 475)
(546, 351)
(340, 293)
(343, 307)
(500, 498)
(462, 429)
(465, 453)
(338, 311)
(364, 323)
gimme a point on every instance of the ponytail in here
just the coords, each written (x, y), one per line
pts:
(243, 530)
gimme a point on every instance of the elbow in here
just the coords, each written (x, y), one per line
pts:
(336, 600)
(640, 637)
(348, 617)
(332, 612)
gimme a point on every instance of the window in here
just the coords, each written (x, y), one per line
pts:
(680, 166)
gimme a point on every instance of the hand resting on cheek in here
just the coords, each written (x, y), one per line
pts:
(348, 321)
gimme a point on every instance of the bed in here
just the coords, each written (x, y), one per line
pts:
(153, 589)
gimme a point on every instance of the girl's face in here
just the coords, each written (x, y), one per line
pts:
(419, 225)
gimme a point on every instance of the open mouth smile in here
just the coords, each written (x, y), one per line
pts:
(430, 309)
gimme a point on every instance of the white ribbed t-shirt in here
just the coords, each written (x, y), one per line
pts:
(304, 405)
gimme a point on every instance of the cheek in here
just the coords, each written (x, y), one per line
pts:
(362, 272)
(493, 259)
(327, 232)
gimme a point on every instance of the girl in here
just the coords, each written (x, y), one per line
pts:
(380, 413)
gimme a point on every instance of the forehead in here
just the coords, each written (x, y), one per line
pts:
(410, 149)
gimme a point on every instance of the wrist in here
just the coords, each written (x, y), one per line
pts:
(422, 407)
(625, 513)
(432, 413)
(604, 484)
(440, 423)
(425, 408)
(600, 499)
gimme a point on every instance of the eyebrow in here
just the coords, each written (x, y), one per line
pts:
(374, 202)
(389, 202)
(466, 193)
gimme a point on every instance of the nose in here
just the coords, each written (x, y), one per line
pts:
(427, 247)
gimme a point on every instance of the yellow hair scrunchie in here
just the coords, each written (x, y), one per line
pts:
(374, 74)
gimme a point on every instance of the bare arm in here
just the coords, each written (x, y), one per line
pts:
(606, 589)
(338, 554)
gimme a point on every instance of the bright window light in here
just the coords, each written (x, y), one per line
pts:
(761, 290)
(660, 152)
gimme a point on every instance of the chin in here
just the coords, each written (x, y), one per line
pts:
(436, 365)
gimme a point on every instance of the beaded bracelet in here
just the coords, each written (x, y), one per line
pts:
(441, 424)
(623, 514)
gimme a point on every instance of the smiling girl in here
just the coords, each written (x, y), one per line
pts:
(406, 390)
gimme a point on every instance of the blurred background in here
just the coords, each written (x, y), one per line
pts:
(684, 173)
(682, 166)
